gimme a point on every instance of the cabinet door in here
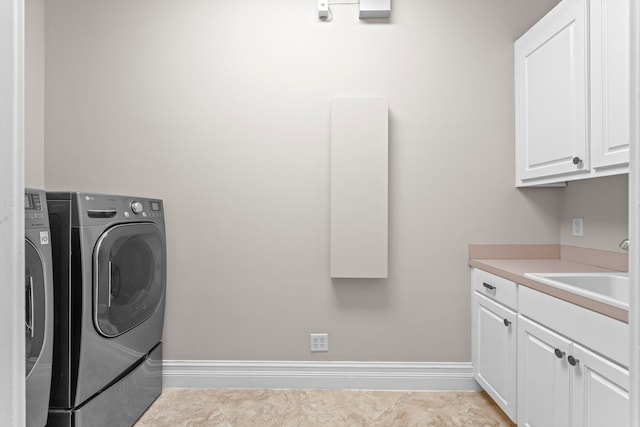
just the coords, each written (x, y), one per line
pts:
(610, 90)
(495, 352)
(543, 376)
(551, 94)
(600, 391)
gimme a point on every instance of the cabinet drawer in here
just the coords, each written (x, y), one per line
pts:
(607, 336)
(494, 287)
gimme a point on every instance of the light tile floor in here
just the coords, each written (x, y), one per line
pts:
(240, 408)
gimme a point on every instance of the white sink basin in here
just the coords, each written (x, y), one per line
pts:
(610, 288)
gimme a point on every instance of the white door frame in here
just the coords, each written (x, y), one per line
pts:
(634, 215)
(12, 363)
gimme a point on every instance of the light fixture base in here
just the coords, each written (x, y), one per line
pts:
(375, 9)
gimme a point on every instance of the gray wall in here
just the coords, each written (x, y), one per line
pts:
(604, 205)
(222, 109)
(34, 93)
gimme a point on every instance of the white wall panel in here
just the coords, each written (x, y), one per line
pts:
(359, 187)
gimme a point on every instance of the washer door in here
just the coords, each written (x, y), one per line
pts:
(34, 305)
(129, 276)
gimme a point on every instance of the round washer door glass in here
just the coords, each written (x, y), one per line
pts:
(34, 305)
(129, 276)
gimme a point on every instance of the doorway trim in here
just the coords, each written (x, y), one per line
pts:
(12, 363)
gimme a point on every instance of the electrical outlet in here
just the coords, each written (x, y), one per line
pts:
(319, 342)
(577, 227)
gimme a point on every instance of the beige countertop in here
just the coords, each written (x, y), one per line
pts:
(514, 269)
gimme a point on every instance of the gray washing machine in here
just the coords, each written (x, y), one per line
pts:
(38, 306)
(109, 266)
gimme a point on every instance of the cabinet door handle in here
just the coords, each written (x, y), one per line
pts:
(559, 353)
(488, 286)
(506, 322)
(577, 161)
(572, 361)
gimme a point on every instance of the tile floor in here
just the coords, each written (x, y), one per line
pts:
(240, 408)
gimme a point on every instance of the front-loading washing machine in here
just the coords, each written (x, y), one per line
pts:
(109, 265)
(38, 288)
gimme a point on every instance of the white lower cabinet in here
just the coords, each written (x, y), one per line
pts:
(600, 390)
(495, 351)
(494, 325)
(561, 383)
(530, 356)
(543, 376)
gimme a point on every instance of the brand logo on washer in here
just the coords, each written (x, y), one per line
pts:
(44, 237)
(89, 197)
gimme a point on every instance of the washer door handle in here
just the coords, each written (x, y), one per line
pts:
(30, 304)
(109, 296)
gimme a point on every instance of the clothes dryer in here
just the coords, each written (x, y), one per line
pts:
(110, 276)
(38, 290)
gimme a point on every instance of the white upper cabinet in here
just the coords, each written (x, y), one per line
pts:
(551, 98)
(610, 90)
(572, 93)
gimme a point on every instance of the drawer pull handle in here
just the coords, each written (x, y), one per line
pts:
(506, 322)
(559, 353)
(572, 361)
(488, 286)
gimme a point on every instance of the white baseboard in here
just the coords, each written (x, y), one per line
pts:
(229, 374)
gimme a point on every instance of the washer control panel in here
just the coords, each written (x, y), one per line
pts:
(35, 209)
(144, 208)
(101, 208)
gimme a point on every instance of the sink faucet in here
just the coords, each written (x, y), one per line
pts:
(624, 245)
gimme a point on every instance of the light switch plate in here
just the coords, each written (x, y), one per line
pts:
(577, 227)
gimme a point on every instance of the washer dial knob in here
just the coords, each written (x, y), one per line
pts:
(136, 207)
